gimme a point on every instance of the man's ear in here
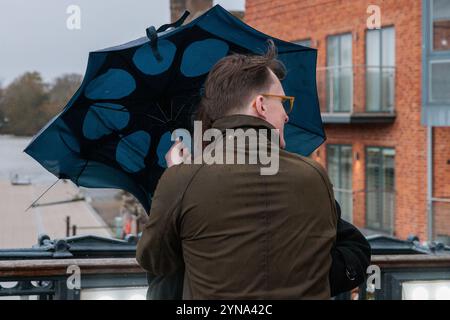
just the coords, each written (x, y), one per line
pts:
(260, 107)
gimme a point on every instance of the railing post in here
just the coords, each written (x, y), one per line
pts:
(67, 226)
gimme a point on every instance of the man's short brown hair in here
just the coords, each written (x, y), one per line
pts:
(233, 81)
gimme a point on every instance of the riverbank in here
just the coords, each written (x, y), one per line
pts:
(20, 228)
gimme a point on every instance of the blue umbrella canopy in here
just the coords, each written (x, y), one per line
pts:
(116, 129)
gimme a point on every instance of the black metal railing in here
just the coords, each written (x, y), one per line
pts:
(379, 207)
(47, 270)
(441, 220)
(90, 267)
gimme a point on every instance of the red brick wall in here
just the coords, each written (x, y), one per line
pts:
(316, 19)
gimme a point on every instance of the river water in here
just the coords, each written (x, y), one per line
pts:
(14, 161)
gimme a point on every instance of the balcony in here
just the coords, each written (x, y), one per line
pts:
(379, 209)
(357, 94)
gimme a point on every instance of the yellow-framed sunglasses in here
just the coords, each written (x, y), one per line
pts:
(287, 101)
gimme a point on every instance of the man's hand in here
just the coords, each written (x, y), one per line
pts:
(178, 153)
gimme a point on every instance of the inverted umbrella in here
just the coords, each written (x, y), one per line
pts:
(116, 129)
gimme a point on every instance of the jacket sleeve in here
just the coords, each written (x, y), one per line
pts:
(350, 257)
(159, 248)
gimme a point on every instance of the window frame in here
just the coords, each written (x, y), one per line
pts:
(430, 75)
(430, 56)
(366, 162)
(339, 145)
(380, 65)
(339, 36)
(431, 35)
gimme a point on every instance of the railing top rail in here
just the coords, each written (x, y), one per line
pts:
(414, 260)
(380, 190)
(58, 267)
(39, 268)
(441, 200)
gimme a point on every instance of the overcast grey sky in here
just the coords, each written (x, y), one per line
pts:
(34, 35)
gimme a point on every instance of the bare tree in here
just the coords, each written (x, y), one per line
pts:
(21, 104)
(28, 103)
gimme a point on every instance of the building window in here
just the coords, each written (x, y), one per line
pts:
(380, 70)
(441, 25)
(436, 67)
(339, 73)
(439, 66)
(440, 81)
(339, 166)
(380, 189)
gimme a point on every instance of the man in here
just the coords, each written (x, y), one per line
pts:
(238, 234)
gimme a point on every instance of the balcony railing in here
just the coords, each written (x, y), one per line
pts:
(406, 277)
(357, 93)
(102, 279)
(45, 273)
(380, 210)
(124, 279)
(441, 219)
(379, 207)
(104, 268)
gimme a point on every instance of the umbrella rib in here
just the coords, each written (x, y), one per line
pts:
(159, 107)
(122, 110)
(81, 172)
(143, 80)
(33, 204)
(179, 111)
(155, 118)
(112, 109)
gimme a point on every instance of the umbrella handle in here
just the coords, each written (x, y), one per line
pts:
(152, 33)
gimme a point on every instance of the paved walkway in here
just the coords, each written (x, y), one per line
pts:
(21, 229)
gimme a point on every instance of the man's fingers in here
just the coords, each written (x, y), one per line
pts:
(177, 153)
(185, 153)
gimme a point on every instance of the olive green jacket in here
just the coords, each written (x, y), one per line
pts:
(240, 234)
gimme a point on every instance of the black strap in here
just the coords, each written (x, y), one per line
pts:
(153, 36)
(175, 24)
(152, 33)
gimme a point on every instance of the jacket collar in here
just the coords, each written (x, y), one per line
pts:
(240, 121)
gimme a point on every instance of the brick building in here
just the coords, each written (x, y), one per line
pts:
(385, 102)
